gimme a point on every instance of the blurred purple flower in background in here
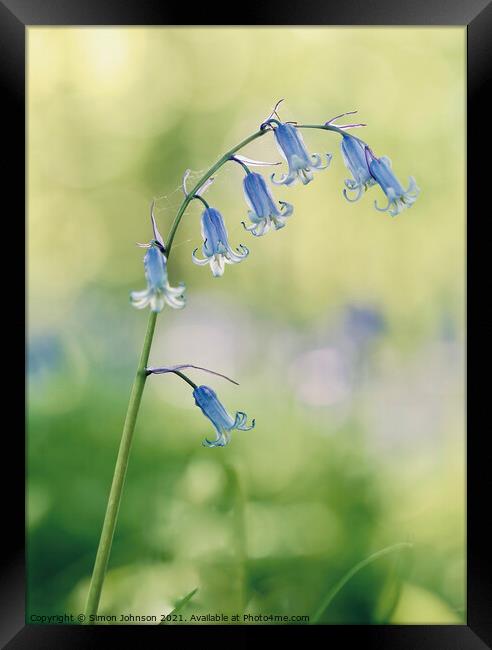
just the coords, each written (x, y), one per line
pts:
(363, 323)
(45, 352)
(320, 377)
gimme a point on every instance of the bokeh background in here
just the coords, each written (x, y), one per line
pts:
(344, 329)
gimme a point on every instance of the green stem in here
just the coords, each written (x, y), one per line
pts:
(323, 127)
(197, 197)
(355, 569)
(240, 539)
(243, 165)
(186, 379)
(328, 127)
(114, 500)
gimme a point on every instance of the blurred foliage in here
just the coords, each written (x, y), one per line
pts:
(345, 329)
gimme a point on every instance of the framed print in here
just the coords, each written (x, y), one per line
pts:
(251, 398)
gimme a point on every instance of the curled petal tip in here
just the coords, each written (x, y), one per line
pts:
(382, 209)
(283, 179)
(356, 197)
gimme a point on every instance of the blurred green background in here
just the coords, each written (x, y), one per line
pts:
(344, 329)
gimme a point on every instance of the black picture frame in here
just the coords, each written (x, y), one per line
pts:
(15, 17)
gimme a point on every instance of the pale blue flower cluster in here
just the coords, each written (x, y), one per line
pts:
(265, 214)
(368, 170)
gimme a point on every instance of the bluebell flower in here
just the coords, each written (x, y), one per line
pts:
(216, 247)
(158, 290)
(364, 322)
(398, 198)
(354, 156)
(301, 162)
(223, 422)
(264, 212)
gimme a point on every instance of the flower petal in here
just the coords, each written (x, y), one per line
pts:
(177, 302)
(357, 188)
(140, 299)
(382, 209)
(217, 265)
(197, 260)
(157, 302)
(285, 179)
(287, 208)
(234, 257)
(240, 422)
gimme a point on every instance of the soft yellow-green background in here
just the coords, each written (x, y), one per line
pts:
(359, 440)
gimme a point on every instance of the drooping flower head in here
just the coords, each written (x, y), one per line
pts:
(398, 198)
(158, 291)
(354, 156)
(301, 163)
(216, 247)
(206, 399)
(264, 212)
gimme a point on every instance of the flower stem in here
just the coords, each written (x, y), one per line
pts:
(355, 569)
(240, 537)
(328, 127)
(114, 500)
(323, 127)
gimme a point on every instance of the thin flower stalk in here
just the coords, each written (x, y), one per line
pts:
(114, 500)
(367, 171)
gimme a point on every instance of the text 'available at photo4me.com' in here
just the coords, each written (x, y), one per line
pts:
(215, 617)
